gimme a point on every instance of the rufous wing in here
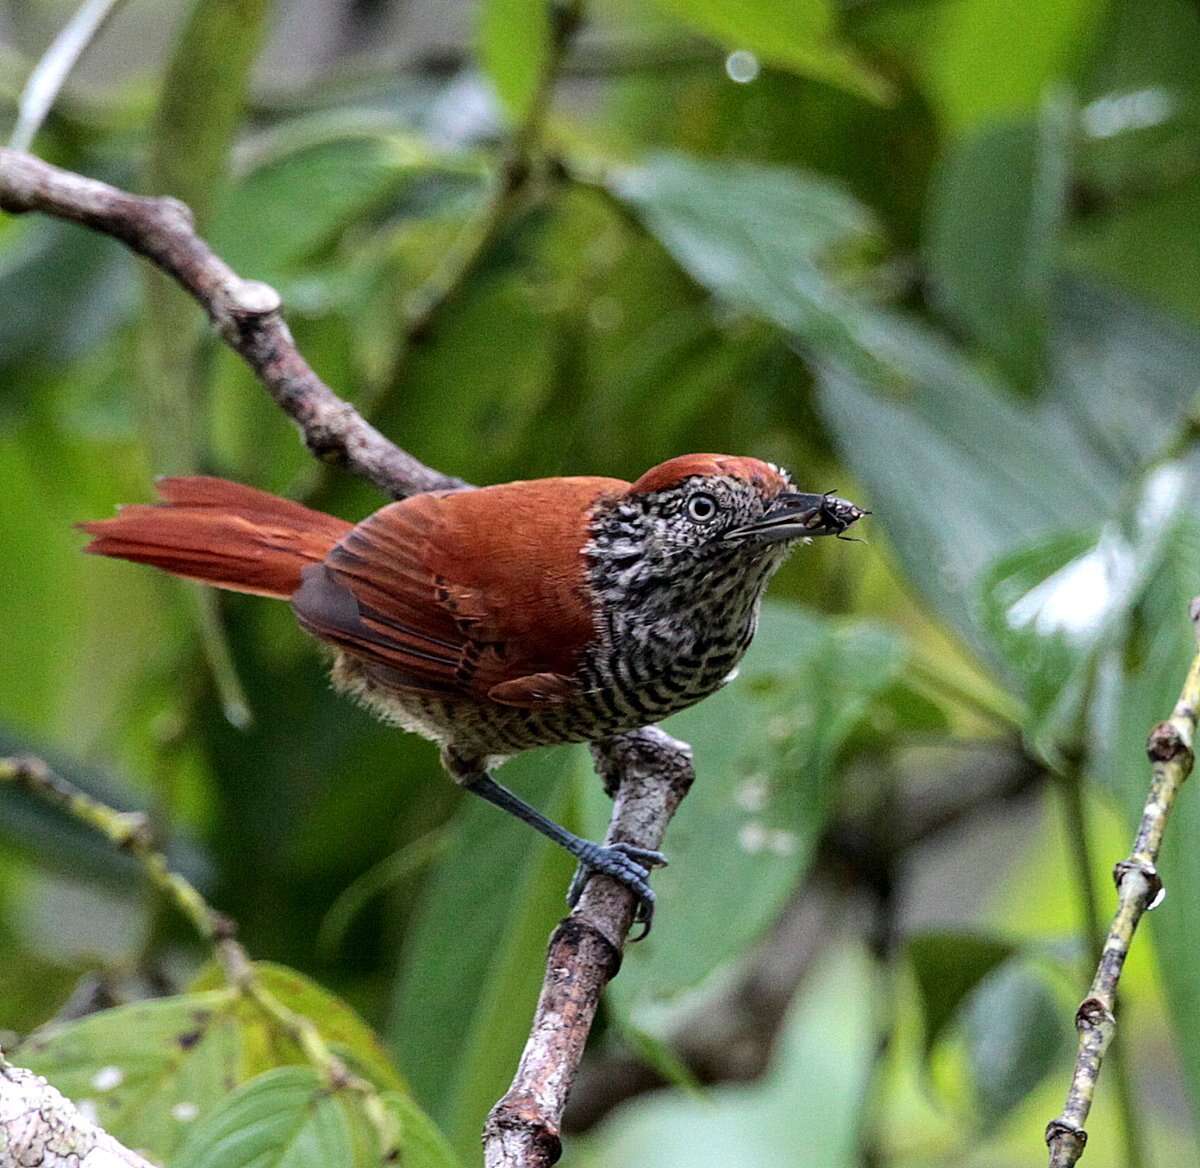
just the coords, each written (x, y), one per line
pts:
(478, 594)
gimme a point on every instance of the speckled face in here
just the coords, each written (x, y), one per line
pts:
(682, 533)
(697, 514)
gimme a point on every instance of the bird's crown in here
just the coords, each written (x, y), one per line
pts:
(769, 479)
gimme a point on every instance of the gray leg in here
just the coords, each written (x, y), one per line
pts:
(625, 863)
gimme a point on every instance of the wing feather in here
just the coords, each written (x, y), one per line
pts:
(480, 594)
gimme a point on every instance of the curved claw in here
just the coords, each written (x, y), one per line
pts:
(628, 865)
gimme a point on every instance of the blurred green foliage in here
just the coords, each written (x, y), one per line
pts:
(942, 255)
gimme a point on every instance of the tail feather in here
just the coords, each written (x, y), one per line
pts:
(220, 533)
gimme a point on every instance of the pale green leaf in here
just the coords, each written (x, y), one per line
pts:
(149, 1070)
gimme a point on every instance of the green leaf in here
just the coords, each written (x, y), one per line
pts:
(1053, 606)
(514, 44)
(423, 1144)
(948, 966)
(1015, 1030)
(285, 1118)
(809, 1103)
(981, 61)
(967, 474)
(264, 1048)
(149, 1069)
(262, 229)
(800, 36)
(63, 289)
(474, 958)
(767, 239)
(996, 210)
(1124, 375)
(766, 751)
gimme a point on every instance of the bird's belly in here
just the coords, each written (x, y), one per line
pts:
(619, 696)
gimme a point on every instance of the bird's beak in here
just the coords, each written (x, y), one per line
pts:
(796, 515)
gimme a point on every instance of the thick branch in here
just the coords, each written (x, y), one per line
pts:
(1139, 888)
(651, 773)
(39, 1126)
(246, 313)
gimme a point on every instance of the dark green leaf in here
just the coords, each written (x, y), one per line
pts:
(967, 474)
(767, 239)
(1015, 1030)
(996, 209)
(474, 960)
(262, 230)
(948, 967)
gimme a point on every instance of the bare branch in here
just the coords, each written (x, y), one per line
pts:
(246, 313)
(651, 773)
(40, 1126)
(1139, 889)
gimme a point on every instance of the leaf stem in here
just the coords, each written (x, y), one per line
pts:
(48, 76)
(130, 832)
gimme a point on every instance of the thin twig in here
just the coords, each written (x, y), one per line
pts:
(1139, 888)
(130, 832)
(51, 72)
(1070, 786)
(246, 313)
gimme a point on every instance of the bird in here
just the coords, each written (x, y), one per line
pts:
(502, 618)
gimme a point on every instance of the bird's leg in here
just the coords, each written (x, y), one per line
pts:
(625, 863)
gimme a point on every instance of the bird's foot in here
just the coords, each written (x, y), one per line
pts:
(628, 865)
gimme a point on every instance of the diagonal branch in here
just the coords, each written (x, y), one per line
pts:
(246, 313)
(1139, 888)
(649, 770)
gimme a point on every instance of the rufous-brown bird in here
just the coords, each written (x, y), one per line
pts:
(512, 616)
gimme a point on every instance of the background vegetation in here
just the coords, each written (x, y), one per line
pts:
(940, 254)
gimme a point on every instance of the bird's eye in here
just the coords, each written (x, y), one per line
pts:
(702, 508)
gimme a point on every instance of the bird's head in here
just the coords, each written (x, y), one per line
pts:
(710, 517)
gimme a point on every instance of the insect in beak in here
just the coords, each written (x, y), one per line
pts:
(799, 515)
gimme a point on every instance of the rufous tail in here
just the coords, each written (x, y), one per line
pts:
(220, 533)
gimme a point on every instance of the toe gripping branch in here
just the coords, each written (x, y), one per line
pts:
(627, 864)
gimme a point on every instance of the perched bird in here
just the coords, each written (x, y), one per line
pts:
(513, 616)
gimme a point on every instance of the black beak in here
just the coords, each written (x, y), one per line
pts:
(796, 515)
